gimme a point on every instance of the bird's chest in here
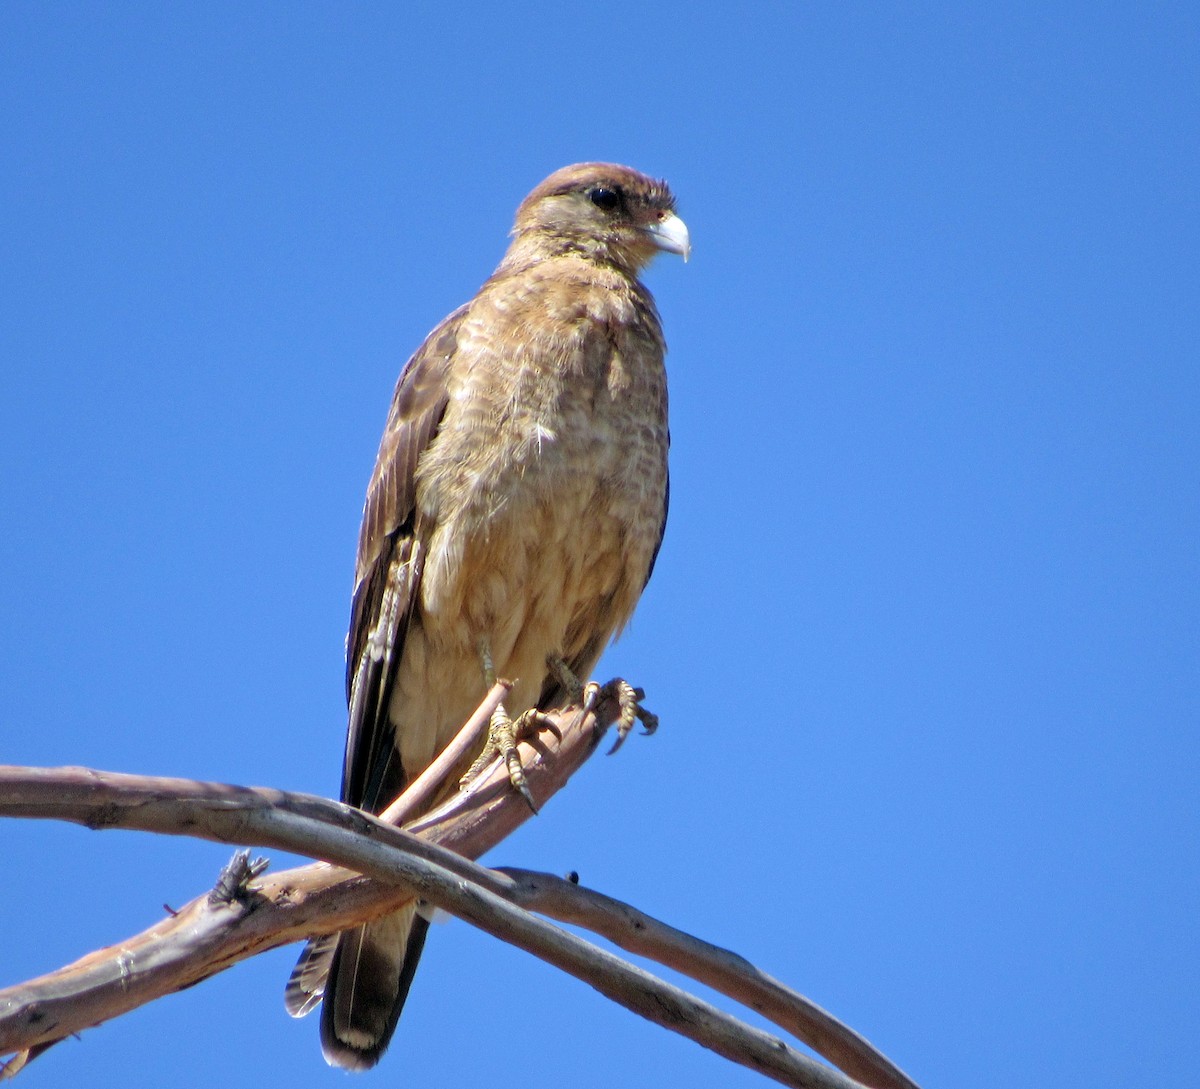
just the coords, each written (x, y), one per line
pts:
(546, 487)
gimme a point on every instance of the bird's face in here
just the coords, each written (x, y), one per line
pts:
(605, 210)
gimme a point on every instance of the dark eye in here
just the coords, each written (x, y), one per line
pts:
(604, 199)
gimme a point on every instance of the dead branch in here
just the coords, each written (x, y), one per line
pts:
(722, 970)
(247, 915)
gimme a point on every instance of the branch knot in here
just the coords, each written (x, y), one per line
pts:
(233, 883)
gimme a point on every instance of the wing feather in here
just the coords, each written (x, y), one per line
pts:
(388, 569)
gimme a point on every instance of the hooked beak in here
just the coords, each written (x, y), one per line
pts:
(671, 234)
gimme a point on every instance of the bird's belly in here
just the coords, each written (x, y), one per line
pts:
(551, 571)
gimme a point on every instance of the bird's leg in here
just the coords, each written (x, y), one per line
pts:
(504, 733)
(630, 709)
(580, 694)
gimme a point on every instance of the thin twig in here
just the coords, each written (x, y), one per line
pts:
(427, 784)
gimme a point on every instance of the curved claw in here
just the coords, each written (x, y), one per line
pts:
(503, 735)
(502, 740)
(591, 696)
(530, 722)
(627, 716)
(516, 776)
(588, 696)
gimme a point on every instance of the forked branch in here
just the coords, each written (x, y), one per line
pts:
(248, 914)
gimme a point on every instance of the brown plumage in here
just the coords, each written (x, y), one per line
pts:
(515, 511)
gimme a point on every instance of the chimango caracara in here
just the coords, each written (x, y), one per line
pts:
(512, 520)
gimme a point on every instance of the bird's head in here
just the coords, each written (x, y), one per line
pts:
(603, 210)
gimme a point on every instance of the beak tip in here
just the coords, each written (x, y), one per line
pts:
(671, 234)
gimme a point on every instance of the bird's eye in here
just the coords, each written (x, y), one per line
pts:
(604, 199)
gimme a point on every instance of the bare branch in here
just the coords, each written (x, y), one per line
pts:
(210, 934)
(722, 970)
(422, 789)
(215, 931)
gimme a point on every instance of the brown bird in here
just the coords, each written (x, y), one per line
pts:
(511, 523)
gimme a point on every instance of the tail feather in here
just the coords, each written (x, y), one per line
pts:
(369, 973)
(306, 985)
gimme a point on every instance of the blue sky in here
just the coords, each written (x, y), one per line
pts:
(923, 633)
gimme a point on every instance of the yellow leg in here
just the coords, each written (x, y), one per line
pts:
(503, 735)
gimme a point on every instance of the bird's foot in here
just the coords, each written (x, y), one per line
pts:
(587, 696)
(503, 735)
(630, 710)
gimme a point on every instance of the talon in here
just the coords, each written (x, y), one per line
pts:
(627, 702)
(516, 776)
(529, 722)
(503, 735)
(587, 697)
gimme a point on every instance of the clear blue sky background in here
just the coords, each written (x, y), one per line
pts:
(923, 634)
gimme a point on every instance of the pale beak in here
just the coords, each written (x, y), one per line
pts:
(671, 234)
